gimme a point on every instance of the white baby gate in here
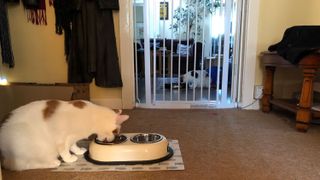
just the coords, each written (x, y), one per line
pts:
(187, 53)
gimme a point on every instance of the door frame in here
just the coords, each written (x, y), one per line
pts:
(248, 57)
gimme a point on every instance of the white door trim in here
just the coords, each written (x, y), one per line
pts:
(250, 55)
(126, 53)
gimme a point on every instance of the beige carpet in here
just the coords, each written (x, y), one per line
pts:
(218, 144)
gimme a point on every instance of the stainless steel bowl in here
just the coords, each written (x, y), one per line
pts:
(118, 139)
(146, 138)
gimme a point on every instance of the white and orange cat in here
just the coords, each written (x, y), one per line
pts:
(35, 135)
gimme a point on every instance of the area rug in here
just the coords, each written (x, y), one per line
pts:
(82, 165)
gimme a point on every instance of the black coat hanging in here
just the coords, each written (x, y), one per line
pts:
(31, 4)
(93, 52)
(5, 42)
(13, 1)
(297, 42)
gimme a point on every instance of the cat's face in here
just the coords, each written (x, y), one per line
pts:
(113, 128)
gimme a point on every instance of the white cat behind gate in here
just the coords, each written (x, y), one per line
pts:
(194, 79)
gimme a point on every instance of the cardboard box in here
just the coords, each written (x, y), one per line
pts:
(18, 94)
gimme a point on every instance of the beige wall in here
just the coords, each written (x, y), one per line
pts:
(275, 17)
(39, 54)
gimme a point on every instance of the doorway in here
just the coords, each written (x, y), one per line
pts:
(187, 53)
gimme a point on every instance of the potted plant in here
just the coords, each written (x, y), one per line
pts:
(191, 13)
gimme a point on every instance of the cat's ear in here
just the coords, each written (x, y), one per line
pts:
(121, 119)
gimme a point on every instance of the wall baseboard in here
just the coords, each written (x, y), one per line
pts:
(254, 105)
(113, 103)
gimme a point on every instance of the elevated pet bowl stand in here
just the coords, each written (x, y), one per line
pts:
(130, 149)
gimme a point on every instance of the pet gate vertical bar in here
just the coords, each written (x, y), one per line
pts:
(147, 51)
(218, 97)
(154, 55)
(209, 86)
(135, 50)
(188, 36)
(163, 54)
(179, 54)
(210, 51)
(195, 52)
(171, 77)
(202, 53)
(226, 51)
(171, 54)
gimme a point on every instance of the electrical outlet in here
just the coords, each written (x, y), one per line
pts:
(258, 91)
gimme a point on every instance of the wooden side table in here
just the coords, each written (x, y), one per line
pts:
(159, 55)
(309, 64)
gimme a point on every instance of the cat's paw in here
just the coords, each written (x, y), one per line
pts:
(79, 151)
(70, 159)
(55, 163)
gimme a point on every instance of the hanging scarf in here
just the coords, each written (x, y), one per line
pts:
(63, 13)
(36, 11)
(13, 1)
(5, 43)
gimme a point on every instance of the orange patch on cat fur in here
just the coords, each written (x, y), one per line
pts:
(50, 108)
(78, 104)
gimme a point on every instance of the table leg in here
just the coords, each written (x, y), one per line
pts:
(268, 89)
(141, 70)
(160, 63)
(304, 111)
(170, 64)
